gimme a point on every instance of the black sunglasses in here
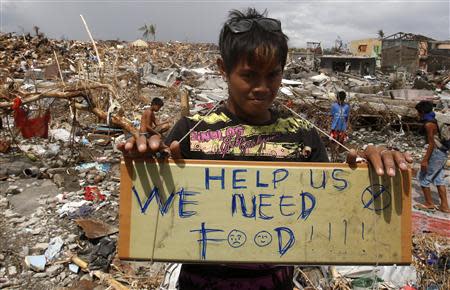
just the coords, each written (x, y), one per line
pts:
(245, 25)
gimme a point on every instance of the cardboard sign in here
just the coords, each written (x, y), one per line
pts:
(263, 212)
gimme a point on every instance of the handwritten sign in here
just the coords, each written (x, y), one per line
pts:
(263, 212)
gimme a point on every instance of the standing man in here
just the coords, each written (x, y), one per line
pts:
(433, 163)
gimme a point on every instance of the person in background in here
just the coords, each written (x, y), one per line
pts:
(340, 112)
(433, 162)
(149, 125)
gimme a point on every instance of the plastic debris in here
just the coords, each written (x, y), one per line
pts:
(36, 263)
(74, 268)
(92, 193)
(54, 248)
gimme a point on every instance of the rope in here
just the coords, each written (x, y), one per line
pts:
(198, 123)
(317, 128)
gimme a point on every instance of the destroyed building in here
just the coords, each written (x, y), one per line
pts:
(438, 57)
(370, 47)
(404, 50)
(359, 65)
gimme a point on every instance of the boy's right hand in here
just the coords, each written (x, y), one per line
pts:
(143, 147)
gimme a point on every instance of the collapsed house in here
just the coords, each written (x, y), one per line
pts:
(369, 47)
(359, 65)
(404, 50)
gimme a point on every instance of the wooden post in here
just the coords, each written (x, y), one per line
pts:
(184, 103)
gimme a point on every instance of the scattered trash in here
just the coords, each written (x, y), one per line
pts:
(94, 229)
(92, 193)
(102, 254)
(36, 263)
(74, 268)
(53, 249)
(104, 167)
(71, 207)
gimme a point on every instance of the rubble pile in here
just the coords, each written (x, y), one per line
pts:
(432, 261)
(59, 194)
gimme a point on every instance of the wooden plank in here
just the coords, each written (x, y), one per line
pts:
(263, 212)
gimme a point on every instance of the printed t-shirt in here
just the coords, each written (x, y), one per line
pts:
(339, 116)
(223, 136)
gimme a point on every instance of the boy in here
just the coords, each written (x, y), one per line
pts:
(253, 50)
(340, 112)
(433, 163)
(149, 126)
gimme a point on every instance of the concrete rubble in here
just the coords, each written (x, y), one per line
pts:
(59, 194)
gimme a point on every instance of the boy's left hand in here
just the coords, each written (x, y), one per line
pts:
(383, 160)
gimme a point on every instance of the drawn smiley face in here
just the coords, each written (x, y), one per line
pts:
(236, 238)
(263, 238)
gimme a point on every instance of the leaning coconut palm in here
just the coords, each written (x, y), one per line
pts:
(153, 31)
(147, 31)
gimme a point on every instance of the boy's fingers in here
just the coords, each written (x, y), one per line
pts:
(373, 155)
(175, 150)
(408, 157)
(351, 157)
(388, 162)
(155, 143)
(129, 145)
(401, 160)
(142, 144)
(121, 146)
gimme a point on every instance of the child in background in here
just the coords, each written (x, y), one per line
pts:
(340, 112)
(433, 162)
(149, 126)
(253, 54)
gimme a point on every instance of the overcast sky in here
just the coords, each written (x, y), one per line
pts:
(200, 21)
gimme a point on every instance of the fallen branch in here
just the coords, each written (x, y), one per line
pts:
(76, 91)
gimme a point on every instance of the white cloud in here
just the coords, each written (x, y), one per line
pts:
(201, 21)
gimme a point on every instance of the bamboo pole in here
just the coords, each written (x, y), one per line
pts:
(100, 64)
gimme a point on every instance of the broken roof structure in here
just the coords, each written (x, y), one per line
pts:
(404, 50)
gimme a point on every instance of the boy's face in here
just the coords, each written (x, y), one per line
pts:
(156, 108)
(252, 88)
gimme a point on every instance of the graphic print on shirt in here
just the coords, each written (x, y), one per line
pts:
(246, 139)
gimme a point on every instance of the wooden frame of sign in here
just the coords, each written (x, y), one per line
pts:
(199, 211)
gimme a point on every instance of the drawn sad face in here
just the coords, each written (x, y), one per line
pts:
(263, 238)
(236, 238)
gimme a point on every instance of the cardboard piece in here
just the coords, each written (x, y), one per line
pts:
(263, 212)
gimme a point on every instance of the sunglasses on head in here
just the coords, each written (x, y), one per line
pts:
(244, 25)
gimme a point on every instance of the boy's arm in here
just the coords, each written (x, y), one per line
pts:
(347, 116)
(153, 119)
(430, 129)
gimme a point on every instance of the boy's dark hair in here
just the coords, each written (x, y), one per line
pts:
(157, 101)
(341, 95)
(424, 107)
(237, 46)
